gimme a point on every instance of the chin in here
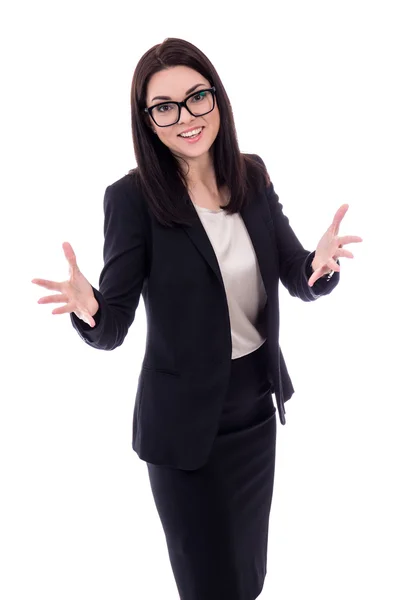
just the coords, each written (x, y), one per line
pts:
(195, 155)
(191, 152)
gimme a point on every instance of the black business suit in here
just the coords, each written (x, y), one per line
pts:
(188, 349)
(204, 423)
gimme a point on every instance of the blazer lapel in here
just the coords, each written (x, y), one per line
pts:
(260, 235)
(260, 232)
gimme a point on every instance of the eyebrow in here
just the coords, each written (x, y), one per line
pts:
(169, 97)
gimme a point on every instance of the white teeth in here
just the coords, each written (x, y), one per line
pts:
(192, 133)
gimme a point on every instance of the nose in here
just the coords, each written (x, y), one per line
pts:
(185, 115)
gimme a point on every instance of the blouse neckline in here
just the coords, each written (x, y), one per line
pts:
(208, 210)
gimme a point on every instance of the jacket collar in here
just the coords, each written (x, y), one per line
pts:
(260, 234)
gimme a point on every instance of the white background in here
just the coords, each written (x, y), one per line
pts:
(314, 89)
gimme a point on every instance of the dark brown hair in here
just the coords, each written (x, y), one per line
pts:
(159, 174)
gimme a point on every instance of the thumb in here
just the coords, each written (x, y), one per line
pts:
(70, 256)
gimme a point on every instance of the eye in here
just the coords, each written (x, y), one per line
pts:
(200, 95)
(160, 108)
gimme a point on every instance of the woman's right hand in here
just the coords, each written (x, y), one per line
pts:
(77, 292)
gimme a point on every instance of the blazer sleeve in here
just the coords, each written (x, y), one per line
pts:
(294, 260)
(121, 279)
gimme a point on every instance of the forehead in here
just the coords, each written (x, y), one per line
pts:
(173, 82)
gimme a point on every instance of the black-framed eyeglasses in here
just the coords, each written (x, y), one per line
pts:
(198, 104)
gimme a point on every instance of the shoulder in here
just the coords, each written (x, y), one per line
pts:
(126, 190)
(126, 184)
(256, 168)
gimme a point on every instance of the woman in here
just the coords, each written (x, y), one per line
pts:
(198, 230)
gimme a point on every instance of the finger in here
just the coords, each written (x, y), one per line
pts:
(90, 321)
(316, 275)
(332, 264)
(337, 219)
(55, 298)
(70, 255)
(67, 308)
(345, 253)
(349, 239)
(50, 285)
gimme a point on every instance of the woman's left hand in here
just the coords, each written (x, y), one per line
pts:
(329, 248)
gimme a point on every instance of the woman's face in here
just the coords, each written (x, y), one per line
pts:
(174, 83)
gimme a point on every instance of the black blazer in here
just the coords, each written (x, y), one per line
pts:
(186, 366)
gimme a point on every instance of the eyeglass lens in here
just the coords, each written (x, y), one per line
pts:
(199, 104)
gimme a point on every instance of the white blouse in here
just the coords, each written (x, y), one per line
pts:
(244, 286)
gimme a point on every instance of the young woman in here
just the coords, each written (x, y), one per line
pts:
(199, 231)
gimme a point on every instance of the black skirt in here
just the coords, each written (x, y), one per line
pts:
(215, 518)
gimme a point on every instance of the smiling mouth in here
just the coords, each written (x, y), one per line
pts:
(186, 137)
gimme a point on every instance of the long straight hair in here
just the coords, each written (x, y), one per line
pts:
(159, 174)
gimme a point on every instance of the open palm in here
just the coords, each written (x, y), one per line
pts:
(330, 247)
(76, 292)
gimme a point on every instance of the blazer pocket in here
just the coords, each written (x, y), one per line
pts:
(165, 371)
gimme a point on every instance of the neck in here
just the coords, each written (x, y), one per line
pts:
(201, 172)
